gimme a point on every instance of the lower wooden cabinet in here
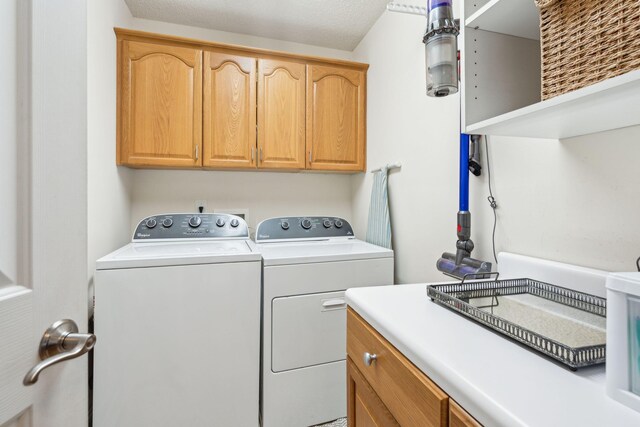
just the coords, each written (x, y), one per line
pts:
(385, 389)
(365, 408)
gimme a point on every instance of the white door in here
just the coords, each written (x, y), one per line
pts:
(43, 224)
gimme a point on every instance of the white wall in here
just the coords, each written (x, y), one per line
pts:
(264, 194)
(109, 203)
(404, 125)
(574, 200)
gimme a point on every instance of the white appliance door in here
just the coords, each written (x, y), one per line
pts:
(43, 199)
(179, 346)
(308, 330)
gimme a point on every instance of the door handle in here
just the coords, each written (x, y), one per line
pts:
(60, 342)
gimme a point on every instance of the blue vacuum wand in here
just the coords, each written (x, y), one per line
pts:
(461, 264)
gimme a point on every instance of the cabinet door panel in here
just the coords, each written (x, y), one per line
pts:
(335, 118)
(229, 111)
(364, 407)
(161, 105)
(281, 114)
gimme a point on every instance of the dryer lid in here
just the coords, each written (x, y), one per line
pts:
(320, 251)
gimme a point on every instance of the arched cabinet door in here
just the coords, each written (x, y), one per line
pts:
(229, 111)
(160, 103)
(336, 118)
(281, 114)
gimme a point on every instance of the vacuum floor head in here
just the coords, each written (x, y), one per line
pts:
(469, 267)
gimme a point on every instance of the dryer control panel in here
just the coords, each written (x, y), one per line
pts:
(191, 226)
(303, 228)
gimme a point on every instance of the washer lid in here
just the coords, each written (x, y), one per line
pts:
(136, 255)
(320, 251)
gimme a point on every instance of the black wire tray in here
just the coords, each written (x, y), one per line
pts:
(457, 297)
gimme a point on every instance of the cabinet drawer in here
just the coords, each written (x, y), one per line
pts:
(411, 397)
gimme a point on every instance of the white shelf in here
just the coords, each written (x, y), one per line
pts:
(610, 104)
(518, 18)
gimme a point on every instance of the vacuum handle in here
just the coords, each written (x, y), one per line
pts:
(475, 275)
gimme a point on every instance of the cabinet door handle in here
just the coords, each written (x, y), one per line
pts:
(253, 153)
(261, 157)
(309, 156)
(197, 154)
(369, 358)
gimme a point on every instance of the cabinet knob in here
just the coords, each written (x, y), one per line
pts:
(369, 358)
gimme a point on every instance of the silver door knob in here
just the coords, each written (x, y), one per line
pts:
(60, 342)
(369, 358)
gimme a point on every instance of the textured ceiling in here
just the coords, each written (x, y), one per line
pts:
(338, 24)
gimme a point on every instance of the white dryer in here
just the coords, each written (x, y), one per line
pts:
(308, 263)
(177, 318)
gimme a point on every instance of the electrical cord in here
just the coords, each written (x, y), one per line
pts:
(494, 204)
(638, 263)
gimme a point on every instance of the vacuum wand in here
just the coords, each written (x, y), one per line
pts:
(461, 264)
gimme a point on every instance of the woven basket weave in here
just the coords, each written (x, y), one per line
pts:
(587, 41)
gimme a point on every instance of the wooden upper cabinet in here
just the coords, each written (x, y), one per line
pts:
(336, 121)
(160, 101)
(185, 103)
(229, 111)
(281, 114)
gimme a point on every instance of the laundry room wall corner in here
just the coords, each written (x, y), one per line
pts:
(109, 186)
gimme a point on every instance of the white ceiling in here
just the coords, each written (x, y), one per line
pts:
(338, 24)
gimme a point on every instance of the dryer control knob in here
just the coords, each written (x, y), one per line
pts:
(284, 225)
(234, 223)
(220, 222)
(167, 222)
(306, 224)
(326, 223)
(195, 221)
(151, 223)
(338, 223)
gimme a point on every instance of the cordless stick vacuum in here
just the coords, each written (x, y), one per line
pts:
(461, 264)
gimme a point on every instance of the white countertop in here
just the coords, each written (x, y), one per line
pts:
(499, 382)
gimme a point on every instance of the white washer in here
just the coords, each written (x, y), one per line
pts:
(308, 263)
(178, 325)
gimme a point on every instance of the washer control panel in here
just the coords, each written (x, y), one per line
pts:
(191, 226)
(303, 228)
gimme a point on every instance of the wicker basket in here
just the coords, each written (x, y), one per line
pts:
(587, 41)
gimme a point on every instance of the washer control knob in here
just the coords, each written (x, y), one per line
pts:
(151, 223)
(234, 223)
(220, 222)
(326, 223)
(306, 223)
(195, 221)
(338, 223)
(284, 225)
(167, 222)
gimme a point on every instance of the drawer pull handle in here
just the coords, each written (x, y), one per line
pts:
(333, 303)
(369, 358)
